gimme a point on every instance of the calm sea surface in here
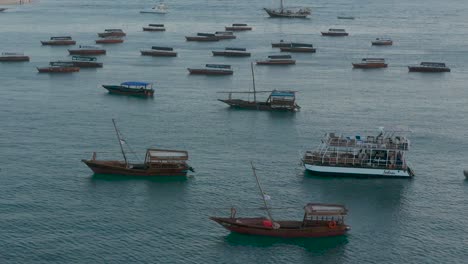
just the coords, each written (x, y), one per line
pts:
(52, 209)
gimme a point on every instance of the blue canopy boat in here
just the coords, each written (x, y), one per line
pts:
(144, 89)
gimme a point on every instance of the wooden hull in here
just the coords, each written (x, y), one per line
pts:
(58, 42)
(210, 72)
(276, 62)
(153, 29)
(202, 39)
(332, 34)
(369, 65)
(427, 69)
(287, 229)
(280, 45)
(155, 53)
(122, 90)
(297, 49)
(260, 106)
(14, 59)
(238, 28)
(109, 41)
(275, 14)
(111, 34)
(58, 69)
(221, 37)
(87, 64)
(231, 54)
(119, 168)
(87, 52)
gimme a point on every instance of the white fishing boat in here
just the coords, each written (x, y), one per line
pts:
(383, 155)
(288, 12)
(161, 8)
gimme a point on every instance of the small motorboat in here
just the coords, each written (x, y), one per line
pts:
(114, 32)
(154, 27)
(143, 89)
(429, 67)
(110, 40)
(370, 63)
(203, 37)
(345, 17)
(13, 57)
(382, 42)
(59, 41)
(281, 44)
(277, 60)
(298, 47)
(159, 52)
(238, 27)
(3, 9)
(161, 8)
(87, 50)
(232, 52)
(335, 32)
(225, 35)
(465, 172)
(59, 67)
(212, 69)
(85, 62)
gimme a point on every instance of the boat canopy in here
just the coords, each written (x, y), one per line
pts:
(293, 44)
(206, 34)
(317, 209)
(161, 48)
(374, 59)
(237, 49)
(220, 66)
(156, 25)
(61, 38)
(224, 33)
(433, 64)
(89, 47)
(279, 57)
(136, 83)
(113, 30)
(61, 64)
(12, 53)
(83, 58)
(337, 29)
(166, 154)
(276, 93)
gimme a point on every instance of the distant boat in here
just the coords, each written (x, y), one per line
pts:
(382, 42)
(238, 27)
(85, 62)
(429, 67)
(59, 41)
(370, 63)
(87, 50)
(114, 32)
(225, 35)
(281, 44)
(212, 69)
(143, 89)
(284, 12)
(232, 52)
(276, 101)
(335, 32)
(3, 9)
(159, 52)
(109, 40)
(277, 60)
(465, 172)
(13, 57)
(320, 220)
(154, 27)
(158, 162)
(203, 37)
(161, 8)
(59, 67)
(298, 47)
(345, 17)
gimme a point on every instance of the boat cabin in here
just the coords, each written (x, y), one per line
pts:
(224, 33)
(156, 25)
(433, 64)
(283, 99)
(158, 157)
(89, 47)
(138, 85)
(206, 34)
(318, 213)
(279, 57)
(113, 30)
(8, 54)
(61, 64)
(162, 48)
(218, 66)
(83, 58)
(337, 30)
(61, 38)
(235, 49)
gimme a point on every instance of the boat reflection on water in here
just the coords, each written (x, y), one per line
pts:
(114, 177)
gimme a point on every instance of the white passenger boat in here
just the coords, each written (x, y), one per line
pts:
(383, 155)
(161, 8)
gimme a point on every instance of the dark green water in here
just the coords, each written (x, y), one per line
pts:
(52, 209)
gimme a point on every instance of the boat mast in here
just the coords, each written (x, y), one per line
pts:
(261, 192)
(253, 82)
(281, 6)
(120, 141)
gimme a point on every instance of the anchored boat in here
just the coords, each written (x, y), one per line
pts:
(382, 42)
(85, 62)
(154, 27)
(158, 162)
(298, 47)
(110, 40)
(238, 27)
(59, 41)
(288, 12)
(13, 57)
(370, 63)
(212, 69)
(59, 67)
(203, 37)
(335, 32)
(113, 32)
(143, 89)
(232, 52)
(159, 52)
(320, 220)
(87, 50)
(429, 67)
(383, 155)
(277, 60)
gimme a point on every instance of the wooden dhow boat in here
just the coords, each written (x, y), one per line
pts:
(158, 162)
(288, 12)
(276, 101)
(381, 155)
(59, 67)
(320, 220)
(112, 32)
(299, 47)
(59, 41)
(154, 27)
(159, 52)
(382, 42)
(143, 89)
(370, 63)
(335, 32)
(87, 50)
(212, 69)
(13, 57)
(238, 27)
(203, 37)
(232, 52)
(109, 40)
(277, 60)
(429, 67)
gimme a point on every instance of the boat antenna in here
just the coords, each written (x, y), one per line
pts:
(120, 141)
(261, 192)
(253, 82)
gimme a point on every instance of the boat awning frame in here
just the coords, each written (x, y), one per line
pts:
(318, 209)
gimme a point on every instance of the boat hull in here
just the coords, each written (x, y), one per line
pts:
(109, 41)
(261, 106)
(231, 54)
(87, 64)
(202, 39)
(155, 53)
(153, 29)
(111, 34)
(87, 52)
(381, 43)
(298, 49)
(275, 14)
(119, 168)
(426, 69)
(276, 62)
(369, 65)
(252, 226)
(58, 69)
(14, 59)
(58, 43)
(357, 172)
(209, 72)
(238, 28)
(122, 90)
(332, 34)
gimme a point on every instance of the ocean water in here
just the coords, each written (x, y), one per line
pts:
(52, 208)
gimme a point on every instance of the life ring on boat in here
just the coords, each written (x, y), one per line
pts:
(332, 224)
